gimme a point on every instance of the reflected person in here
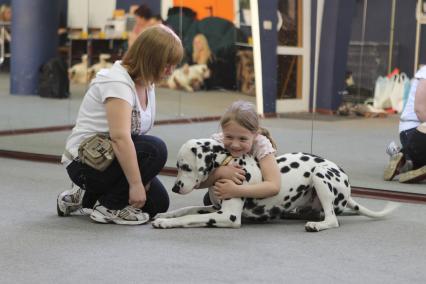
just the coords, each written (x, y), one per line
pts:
(410, 161)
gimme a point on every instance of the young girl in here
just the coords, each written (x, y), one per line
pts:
(241, 134)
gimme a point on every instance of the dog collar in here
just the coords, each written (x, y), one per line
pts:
(226, 161)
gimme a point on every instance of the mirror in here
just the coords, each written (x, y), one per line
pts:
(94, 33)
(31, 124)
(357, 135)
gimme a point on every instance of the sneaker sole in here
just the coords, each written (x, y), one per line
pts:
(61, 213)
(413, 176)
(392, 169)
(100, 218)
(68, 210)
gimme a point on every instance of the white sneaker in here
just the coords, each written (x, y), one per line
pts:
(70, 201)
(392, 149)
(126, 216)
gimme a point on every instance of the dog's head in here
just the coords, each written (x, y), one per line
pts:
(196, 159)
(200, 70)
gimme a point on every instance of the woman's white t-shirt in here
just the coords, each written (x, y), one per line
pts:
(91, 119)
(409, 117)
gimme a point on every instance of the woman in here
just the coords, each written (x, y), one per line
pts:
(201, 53)
(410, 162)
(121, 102)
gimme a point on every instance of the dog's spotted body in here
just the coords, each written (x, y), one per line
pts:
(308, 183)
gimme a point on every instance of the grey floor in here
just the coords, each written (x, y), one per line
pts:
(39, 247)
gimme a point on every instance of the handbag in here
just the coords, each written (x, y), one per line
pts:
(96, 152)
(397, 94)
(382, 89)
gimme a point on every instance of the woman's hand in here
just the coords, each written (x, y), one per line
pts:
(225, 188)
(234, 173)
(137, 196)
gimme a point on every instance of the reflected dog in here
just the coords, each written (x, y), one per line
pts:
(189, 77)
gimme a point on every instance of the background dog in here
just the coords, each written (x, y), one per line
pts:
(103, 63)
(308, 182)
(78, 73)
(189, 77)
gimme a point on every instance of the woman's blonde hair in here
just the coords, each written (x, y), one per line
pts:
(201, 56)
(244, 113)
(155, 49)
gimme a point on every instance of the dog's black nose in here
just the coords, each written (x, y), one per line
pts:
(176, 189)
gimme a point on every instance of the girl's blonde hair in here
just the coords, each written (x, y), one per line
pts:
(244, 113)
(201, 56)
(155, 49)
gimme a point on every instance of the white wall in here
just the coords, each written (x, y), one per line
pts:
(89, 13)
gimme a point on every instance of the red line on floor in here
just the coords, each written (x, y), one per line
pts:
(171, 171)
(23, 131)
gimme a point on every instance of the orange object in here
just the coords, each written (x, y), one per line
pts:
(394, 72)
(209, 8)
(119, 13)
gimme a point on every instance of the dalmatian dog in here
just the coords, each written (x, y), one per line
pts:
(307, 182)
(189, 77)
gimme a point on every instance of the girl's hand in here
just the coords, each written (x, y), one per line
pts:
(234, 173)
(137, 196)
(225, 188)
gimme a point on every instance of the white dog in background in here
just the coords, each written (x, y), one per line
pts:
(103, 63)
(189, 77)
(78, 73)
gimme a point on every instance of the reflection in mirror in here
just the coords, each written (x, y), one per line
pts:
(49, 104)
(370, 91)
(218, 64)
(96, 33)
(89, 39)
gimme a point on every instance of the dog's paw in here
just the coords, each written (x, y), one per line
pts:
(163, 223)
(163, 216)
(319, 226)
(312, 227)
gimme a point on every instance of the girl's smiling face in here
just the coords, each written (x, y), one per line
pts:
(237, 139)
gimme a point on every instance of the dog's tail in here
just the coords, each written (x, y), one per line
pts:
(361, 210)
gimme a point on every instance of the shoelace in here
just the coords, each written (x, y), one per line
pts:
(392, 149)
(127, 211)
(73, 198)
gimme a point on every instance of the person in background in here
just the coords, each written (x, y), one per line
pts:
(143, 17)
(410, 161)
(156, 20)
(120, 101)
(201, 53)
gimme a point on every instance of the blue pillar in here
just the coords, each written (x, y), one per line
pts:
(268, 43)
(34, 42)
(335, 36)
